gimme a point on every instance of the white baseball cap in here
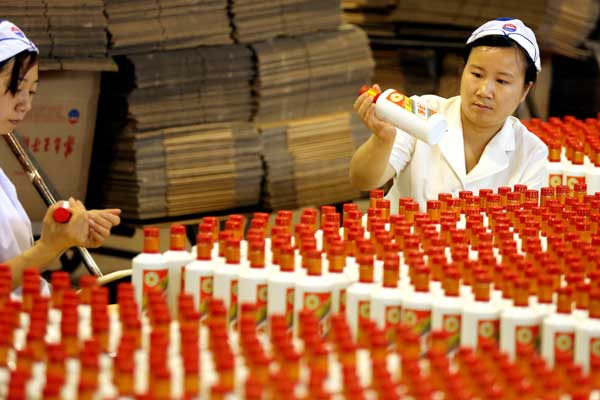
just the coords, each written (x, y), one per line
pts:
(513, 29)
(13, 41)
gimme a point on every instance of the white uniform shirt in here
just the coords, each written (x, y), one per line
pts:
(15, 227)
(513, 155)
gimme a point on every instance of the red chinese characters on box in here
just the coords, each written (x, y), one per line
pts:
(59, 145)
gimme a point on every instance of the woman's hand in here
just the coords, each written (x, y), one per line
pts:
(60, 237)
(365, 108)
(101, 222)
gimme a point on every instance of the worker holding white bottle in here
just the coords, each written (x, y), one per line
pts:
(483, 146)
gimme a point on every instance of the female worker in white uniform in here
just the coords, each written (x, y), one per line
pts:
(18, 83)
(484, 146)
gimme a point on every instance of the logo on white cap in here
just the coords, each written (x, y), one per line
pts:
(509, 28)
(515, 30)
(13, 41)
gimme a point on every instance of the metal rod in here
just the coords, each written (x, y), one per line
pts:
(33, 172)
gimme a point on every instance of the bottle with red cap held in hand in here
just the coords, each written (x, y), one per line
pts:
(62, 214)
(410, 114)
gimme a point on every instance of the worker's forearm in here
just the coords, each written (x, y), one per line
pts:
(39, 256)
(369, 164)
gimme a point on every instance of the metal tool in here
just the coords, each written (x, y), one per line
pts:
(42, 185)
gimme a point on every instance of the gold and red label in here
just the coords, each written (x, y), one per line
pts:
(206, 292)
(261, 308)
(233, 301)
(451, 326)
(555, 180)
(527, 336)
(182, 280)
(401, 100)
(564, 344)
(488, 329)
(418, 320)
(343, 301)
(289, 307)
(393, 316)
(320, 304)
(595, 351)
(572, 180)
(364, 317)
(157, 279)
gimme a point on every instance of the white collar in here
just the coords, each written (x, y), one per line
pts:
(493, 159)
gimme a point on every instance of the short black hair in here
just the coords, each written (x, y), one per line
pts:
(23, 63)
(503, 41)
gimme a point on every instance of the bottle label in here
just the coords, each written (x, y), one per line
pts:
(206, 291)
(420, 323)
(554, 180)
(451, 326)
(320, 304)
(401, 100)
(182, 282)
(595, 351)
(572, 180)
(157, 279)
(289, 307)
(564, 344)
(488, 329)
(233, 300)
(527, 336)
(364, 317)
(261, 308)
(418, 320)
(392, 322)
(343, 301)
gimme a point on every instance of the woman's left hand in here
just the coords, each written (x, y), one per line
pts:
(101, 222)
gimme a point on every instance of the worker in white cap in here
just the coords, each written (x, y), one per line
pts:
(484, 147)
(18, 83)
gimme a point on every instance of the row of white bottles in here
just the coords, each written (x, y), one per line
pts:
(562, 171)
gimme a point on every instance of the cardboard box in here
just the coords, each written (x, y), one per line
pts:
(59, 132)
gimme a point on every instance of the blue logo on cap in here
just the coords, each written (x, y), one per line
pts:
(73, 116)
(509, 28)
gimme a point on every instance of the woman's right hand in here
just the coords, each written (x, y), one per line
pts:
(60, 237)
(365, 108)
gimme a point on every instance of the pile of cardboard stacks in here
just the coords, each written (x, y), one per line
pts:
(255, 20)
(168, 107)
(312, 74)
(61, 28)
(184, 170)
(559, 26)
(307, 160)
(167, 158)
(141, 26)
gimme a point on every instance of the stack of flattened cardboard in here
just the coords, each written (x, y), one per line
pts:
(311, 74)
(158, 111)
(307, 160)
(560, 26)
(410, 71)
(184, 170)
(255, 20)
(77, 28)
(141, 26)
(183, 87)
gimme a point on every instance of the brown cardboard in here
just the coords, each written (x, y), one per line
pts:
(60, 94)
